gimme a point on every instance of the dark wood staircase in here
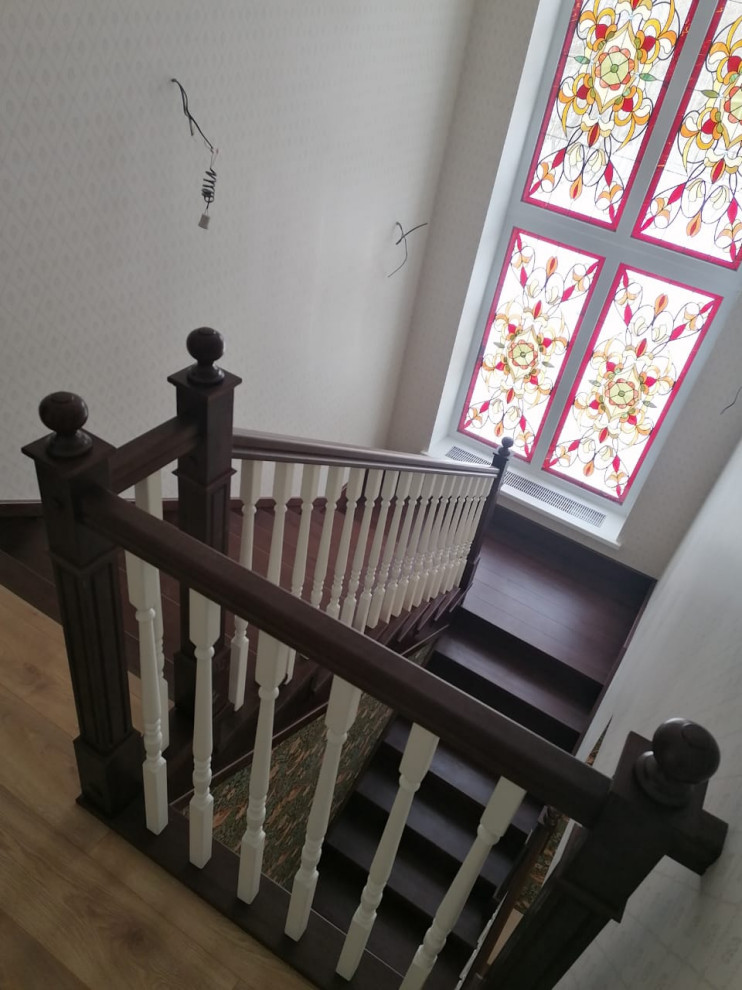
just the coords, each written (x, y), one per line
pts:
(537, 637)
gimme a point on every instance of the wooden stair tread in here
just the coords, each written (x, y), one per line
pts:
(565, 645)
(396, 933)
(417, 878)
(451, 771)
(523, 674)
(451, 837)
(470, 785)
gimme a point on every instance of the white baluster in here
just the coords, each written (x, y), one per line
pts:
(205, 620)
(498, 814)
(309, 490)
(270, 670)
(377, 601)
(143, 583)
(443, 553)
(362, 617)
(250, 479)
(416, 761)
(332, 494)
(148, 497)
(373, 485)
(467, 529)
(411, 551)
(353, 493)
(341, 712)
(281, 491)
(436, 535)
(459, 525)
(394, 595)
(473, 522)
(414, 591)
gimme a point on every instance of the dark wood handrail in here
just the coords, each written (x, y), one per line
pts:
(252, 445)
(151, 451)
(488, 739)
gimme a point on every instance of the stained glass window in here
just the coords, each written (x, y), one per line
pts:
(645, 339)
(695, 200)
(538, 303)
(617, 61)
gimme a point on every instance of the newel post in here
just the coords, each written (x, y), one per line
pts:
(654, 809)
(204, 395)
(69, 462)
(500, 461)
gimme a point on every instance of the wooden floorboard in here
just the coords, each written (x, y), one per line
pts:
(79, 908)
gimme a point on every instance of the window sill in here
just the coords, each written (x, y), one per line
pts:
(542, 498)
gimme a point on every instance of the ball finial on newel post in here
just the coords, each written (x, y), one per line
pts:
(206, 346)
(683, 755)
(65, 414)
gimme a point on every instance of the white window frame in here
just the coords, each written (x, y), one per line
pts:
(507, 210)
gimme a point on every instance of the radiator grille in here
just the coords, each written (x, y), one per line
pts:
(457, 454)
(548, 496)
(539, 493)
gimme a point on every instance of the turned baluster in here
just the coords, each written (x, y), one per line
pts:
(204, 618)
(431, 567)
(309, 490)
(144, 595)
(418, 575)
(353, 493)
(250, 479)
(148, 497)
(416, 760)
(448, 561)
(407, 574)
(332, 494)
(341, 712)
(362, 617)
(383, 580)
(498, 814)
(393, 595)
(270, 670)
(372, 487)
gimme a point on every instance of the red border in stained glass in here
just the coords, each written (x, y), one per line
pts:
(672, 136)
(599, 261)
(716, 301)
(608, 224)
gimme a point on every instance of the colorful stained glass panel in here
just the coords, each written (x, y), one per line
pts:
(695, 199)
(540, 297)
(617, 61)
(642, 346)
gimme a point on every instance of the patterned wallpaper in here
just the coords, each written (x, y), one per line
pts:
(682, 931)
(331, 119)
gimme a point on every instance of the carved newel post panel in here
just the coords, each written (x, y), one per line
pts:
(205, 396)
(109, 751)
(654, 809)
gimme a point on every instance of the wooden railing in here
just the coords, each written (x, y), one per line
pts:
(652, 807)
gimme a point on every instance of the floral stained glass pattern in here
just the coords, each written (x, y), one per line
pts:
(645, 340)
(617, 61)
(695, 200)
(538, 303)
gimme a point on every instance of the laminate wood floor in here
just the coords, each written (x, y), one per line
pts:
(79, 907)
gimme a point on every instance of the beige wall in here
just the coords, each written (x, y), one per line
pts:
(680, 930)
(331, 119)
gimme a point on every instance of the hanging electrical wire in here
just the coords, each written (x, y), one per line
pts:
(208, 183)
